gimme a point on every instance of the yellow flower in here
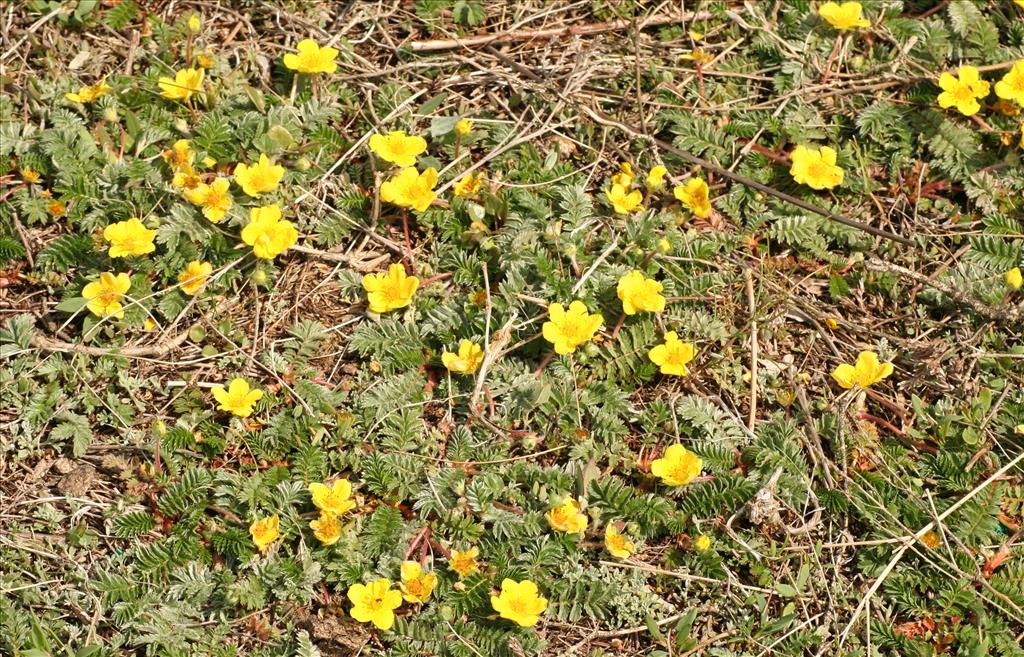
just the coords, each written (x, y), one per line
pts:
(416, 585)
(410, 189)
(699, 55)
(963, 90)
(1019, 429)
(843, 17)
(214, 198)
(625, 175)
(180, 155)
(931, 540)
(208, 162)
(29, 175)
(265, 531)
(624, 201)
(468, 185)
(195, 24)
(311, 58)
(89, 93)
(673, 355)
(128, 238)
(104, 296)
(567, 517)
(617, 544)
(204, 60)
(1019, 3)
(238, 398)
(194, 277)
(56, 208)
(696, 196)
(464, 563)
(568, 329)
(186, 179)
(519, 602)
(390, 291)
(397, 147)
(148, 324)
(866, 372)
(267, 233)
(655, 178)
(335, 499)
(815, 168)
(327, 529)
(1011, 87)
(186, 83)
(664, 246)
(467, 361)
(1014, 278)
(375, 603)
(260, 177)
(639, 294)
(678, 467)
(463, 127)
(702, 543)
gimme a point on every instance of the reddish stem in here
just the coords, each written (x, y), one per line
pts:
(423, 533)
(832, 57)
(618, 327)
(435, 277)
(543, 364)
(408, 240)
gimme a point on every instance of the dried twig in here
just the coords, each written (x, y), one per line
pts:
(554, 32)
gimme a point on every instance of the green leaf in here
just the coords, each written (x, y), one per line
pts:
(72, 305)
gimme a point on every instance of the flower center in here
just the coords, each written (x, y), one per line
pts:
(108, 298)
(963, 92)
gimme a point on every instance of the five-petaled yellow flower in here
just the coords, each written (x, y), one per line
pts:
(640, 294)
(29, 175)
(567, 517)
(625, 175)
(1014, 278)
(696, 196)
(843, 17)
(815, 168)
(410, 189)
(89, 93)
(867, 371)
(624, 201)
(678, 467)
(375, 603)
(702, 543)
(519, 602)
(185, 84)
(617, 543)
(215, 199)
(568, 329)
(238, 398)
(673, 355)
(267, 233)
(390, 291)
(104, 296)
(397, 147)
(1011, 87)
(260, 177)
(962, 90)
(466, 361)
(129, 238)
(56, 208)
(463, 127)
(194, 277)
(468, 185)
(335, 499)
(464, 562)
(312, 58)
(655, 178)
(265, 531)
(327, 529)
(416, 585)
(180, 155)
